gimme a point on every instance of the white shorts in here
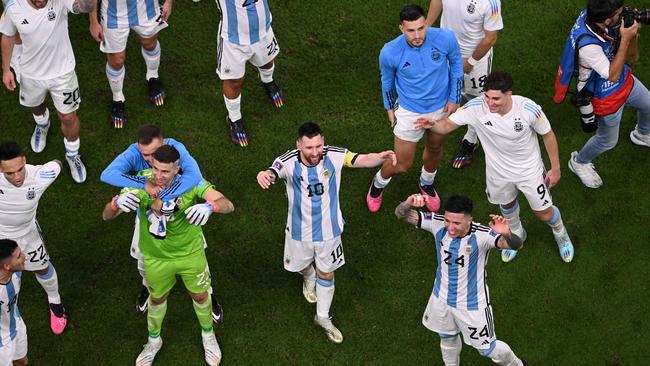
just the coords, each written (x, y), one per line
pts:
(501, 192)
(115, 38)
(473, 82)
(405, 120)
(232, 58)
(477, 325)
(63, 89)
(17, 348)
(33, 245)
(327, 254)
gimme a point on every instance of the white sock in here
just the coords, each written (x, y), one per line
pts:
(426, 178)
(152, 60)
(44, 119)
(142, 272)
(50, 283)
(310, 275)
(116, 81)
(324, 294)
(234, 108)
(512, 216)
(450, 349)
(379, 181)
(266, 75)
(556, 223)
(71, 147)
(503, 355)
(470, 135)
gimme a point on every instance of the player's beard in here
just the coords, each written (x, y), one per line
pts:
(39, 4)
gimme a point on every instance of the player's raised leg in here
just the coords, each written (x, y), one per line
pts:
(151, 55)
(405, 153)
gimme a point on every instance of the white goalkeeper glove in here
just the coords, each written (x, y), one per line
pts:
(168, 209)
(200, 213)
(127, 201)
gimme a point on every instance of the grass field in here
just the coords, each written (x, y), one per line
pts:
(590, 312)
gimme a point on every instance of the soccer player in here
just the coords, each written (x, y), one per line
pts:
(146, 18)
(172, 241)
(245, 34)
(46, 65)
(312, 173)
(21, 187)
(459, 302)
(476, 24)
(13, 333)
(507, 126)
(122, 172)
(425, 66)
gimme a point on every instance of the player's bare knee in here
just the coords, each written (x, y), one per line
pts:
(21, 362)
(267, 66)
(328, 276)
(545, 215)
(116, 60)
(149, 44)
(159, 300)
(68, 119)
(39, 110)
(42, 272)
(200, 298)
(307, 269)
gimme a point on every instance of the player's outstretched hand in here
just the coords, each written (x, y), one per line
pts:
(424, 123)
(416, 200)
(499, 224)
(8, 80)
(96, 31)
(166, 10)
(199, 213)
(389, 155)
(552, 177)
(265, 178)
(127, 201)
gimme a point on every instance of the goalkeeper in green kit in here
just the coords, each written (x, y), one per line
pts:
(172, 243)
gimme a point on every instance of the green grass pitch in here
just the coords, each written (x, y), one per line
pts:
(590, 312)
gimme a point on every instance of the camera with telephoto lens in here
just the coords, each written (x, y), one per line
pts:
(582, 100)
(629, 15)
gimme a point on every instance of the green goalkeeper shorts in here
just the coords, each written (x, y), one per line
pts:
(161, 274)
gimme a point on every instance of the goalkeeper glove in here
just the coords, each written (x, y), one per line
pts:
(167, 210)
(127, 201)
(199, 213)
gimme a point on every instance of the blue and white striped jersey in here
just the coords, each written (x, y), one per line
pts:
(9, 313)
(129, 13)
(244, 22)
(461, 276)
(314, 212)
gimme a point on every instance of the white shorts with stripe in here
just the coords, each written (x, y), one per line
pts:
(473, 82)
(503, 192)
(33, 245)
(477, 326)
(17, 348)
(232, 58)
(63, 89)
(405, 121)
(327, 254)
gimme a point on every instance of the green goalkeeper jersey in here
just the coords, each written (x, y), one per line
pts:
(182, 238)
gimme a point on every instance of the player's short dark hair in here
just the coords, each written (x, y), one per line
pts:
(498, 80)
(410, 13)
(459, 204)
(309, 129)
(7, 247)
(166, 154)
(146, 134)
(10, 150)
(599, 10)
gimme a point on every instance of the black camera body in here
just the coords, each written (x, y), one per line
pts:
(582, 100)
(629, 15)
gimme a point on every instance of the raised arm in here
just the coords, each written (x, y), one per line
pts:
(550, 143)
(117, 172)
(441, 127)
(373, 159)
(84, 6)
(406, 213)
(508, 240)
(266, 177)
(215, 202)
(223, 203)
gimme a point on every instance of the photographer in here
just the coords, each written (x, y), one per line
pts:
(598, 44)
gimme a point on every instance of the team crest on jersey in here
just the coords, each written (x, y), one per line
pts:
(518, 126)
(468, 250)
(435, 55)
(51, 15)
(31, 194)
(471, 8)
(326, 173)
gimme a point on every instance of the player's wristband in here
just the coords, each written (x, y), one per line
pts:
(215, 207)
(472, 61)
(113, 205)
